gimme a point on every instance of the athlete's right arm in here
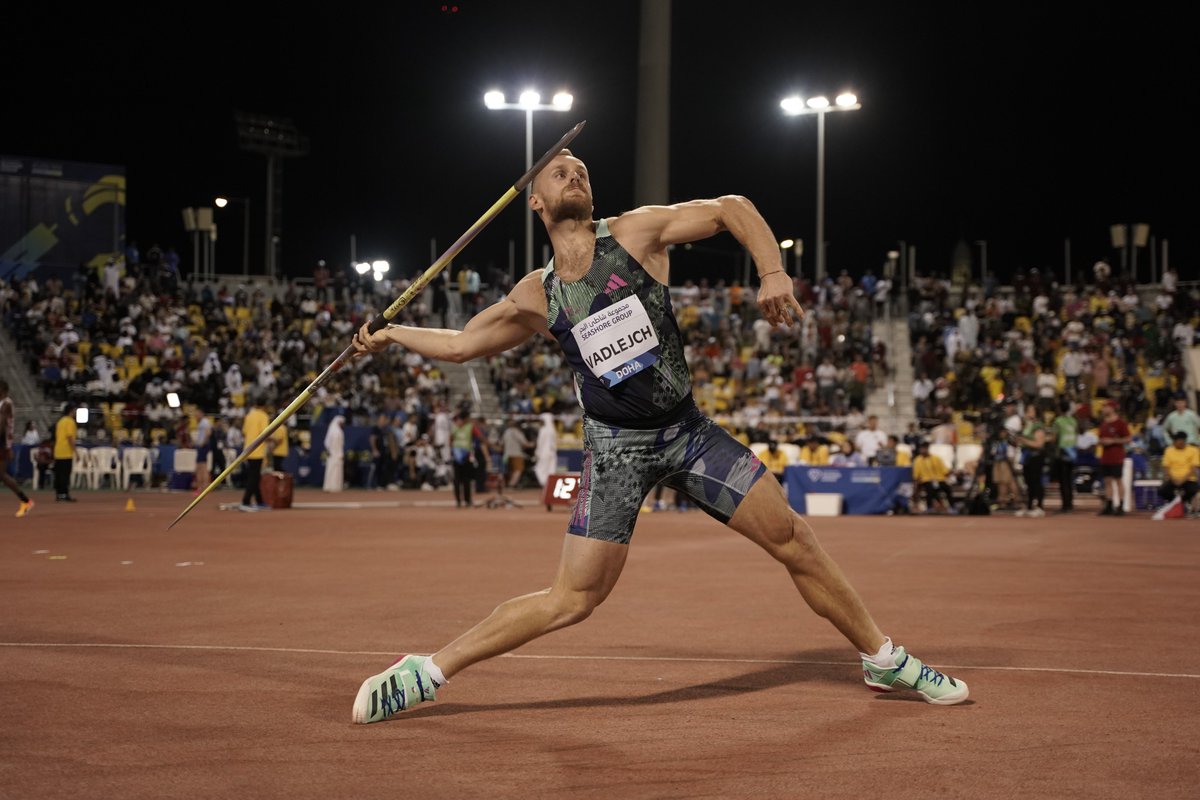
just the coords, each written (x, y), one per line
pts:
(500, 327)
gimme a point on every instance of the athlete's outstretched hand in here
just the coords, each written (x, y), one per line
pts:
(777, 301)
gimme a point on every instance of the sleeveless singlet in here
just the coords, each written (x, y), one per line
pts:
(618, 333)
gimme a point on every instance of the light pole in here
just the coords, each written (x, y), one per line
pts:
(796, 244)
(530, 101)
(221, 202)
(795, 106)
(982, 260)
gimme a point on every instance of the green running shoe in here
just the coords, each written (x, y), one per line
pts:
(910, 673)
(400, 687)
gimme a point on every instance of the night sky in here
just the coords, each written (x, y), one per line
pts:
(1022, 126)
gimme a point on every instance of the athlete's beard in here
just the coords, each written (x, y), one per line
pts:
(576, 206)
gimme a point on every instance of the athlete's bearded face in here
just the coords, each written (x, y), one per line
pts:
(564, 190)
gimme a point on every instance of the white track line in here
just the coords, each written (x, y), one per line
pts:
(391, 654)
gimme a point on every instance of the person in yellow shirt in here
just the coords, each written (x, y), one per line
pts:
(774, 459)
(814, 453)
(254, 424)
(65, 431)
(279, 452)
(1181, 465)
(929, 476)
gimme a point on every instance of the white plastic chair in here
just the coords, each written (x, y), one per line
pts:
(231, 454)
(967, 454)
(945, 452)
(37, 469)
(105, 463)
(81, 469)
(135, 461)
(185, 459)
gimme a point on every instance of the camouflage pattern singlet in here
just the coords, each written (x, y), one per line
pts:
(618, 332)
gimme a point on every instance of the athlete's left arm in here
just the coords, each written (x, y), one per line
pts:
(648, 231)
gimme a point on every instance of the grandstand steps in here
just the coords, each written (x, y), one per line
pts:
(28, 400)
(471, 383)
(892, 401)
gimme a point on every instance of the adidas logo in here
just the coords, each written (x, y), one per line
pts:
(614, 283)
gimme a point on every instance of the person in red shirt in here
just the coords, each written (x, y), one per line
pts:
(1114, 435)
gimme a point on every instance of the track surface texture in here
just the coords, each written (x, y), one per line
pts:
(220, 659)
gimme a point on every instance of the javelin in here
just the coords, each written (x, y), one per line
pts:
(391, 311)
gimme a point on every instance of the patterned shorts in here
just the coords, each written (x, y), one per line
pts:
(695, 456)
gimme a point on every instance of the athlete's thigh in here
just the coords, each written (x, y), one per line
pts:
(713, 469)
(619, 469)
(764, 516)
(590, 566)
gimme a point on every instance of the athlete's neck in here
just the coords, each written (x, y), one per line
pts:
(574, 241)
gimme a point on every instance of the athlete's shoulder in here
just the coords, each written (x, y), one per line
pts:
(529, 296)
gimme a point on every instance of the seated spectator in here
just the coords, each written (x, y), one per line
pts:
(774, 459)
(870, 439)
(891, 456)
(1181, 465)
(814, 453)
(929, 479)
(847, 456)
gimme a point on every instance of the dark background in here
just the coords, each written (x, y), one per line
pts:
(1019, 124)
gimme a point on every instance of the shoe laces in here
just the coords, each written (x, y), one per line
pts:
(930, 675)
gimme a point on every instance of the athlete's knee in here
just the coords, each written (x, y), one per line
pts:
(572, 607)
(798, 547)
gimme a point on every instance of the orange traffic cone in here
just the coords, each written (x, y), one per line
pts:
(129, 506)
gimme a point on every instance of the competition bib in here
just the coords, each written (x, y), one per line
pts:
(618, 341)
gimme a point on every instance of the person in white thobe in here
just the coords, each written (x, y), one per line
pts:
(545, 452)
(335, 446)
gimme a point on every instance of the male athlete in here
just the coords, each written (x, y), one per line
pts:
(604, 298)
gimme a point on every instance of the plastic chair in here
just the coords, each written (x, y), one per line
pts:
(37, 468)
(135, 461)
(967, 454)
(185, 459)
(945, 452)
(81, 469)
(105, 462)
(231, 454)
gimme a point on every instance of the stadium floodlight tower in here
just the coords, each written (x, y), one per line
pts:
(820, 105)
(276, 138)
(529, 102)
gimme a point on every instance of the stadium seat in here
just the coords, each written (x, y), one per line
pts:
(37, 471)
(945, 452)
(185, 459)
(966, 454)
(135, 461)
(81, 466)
(104, 461)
